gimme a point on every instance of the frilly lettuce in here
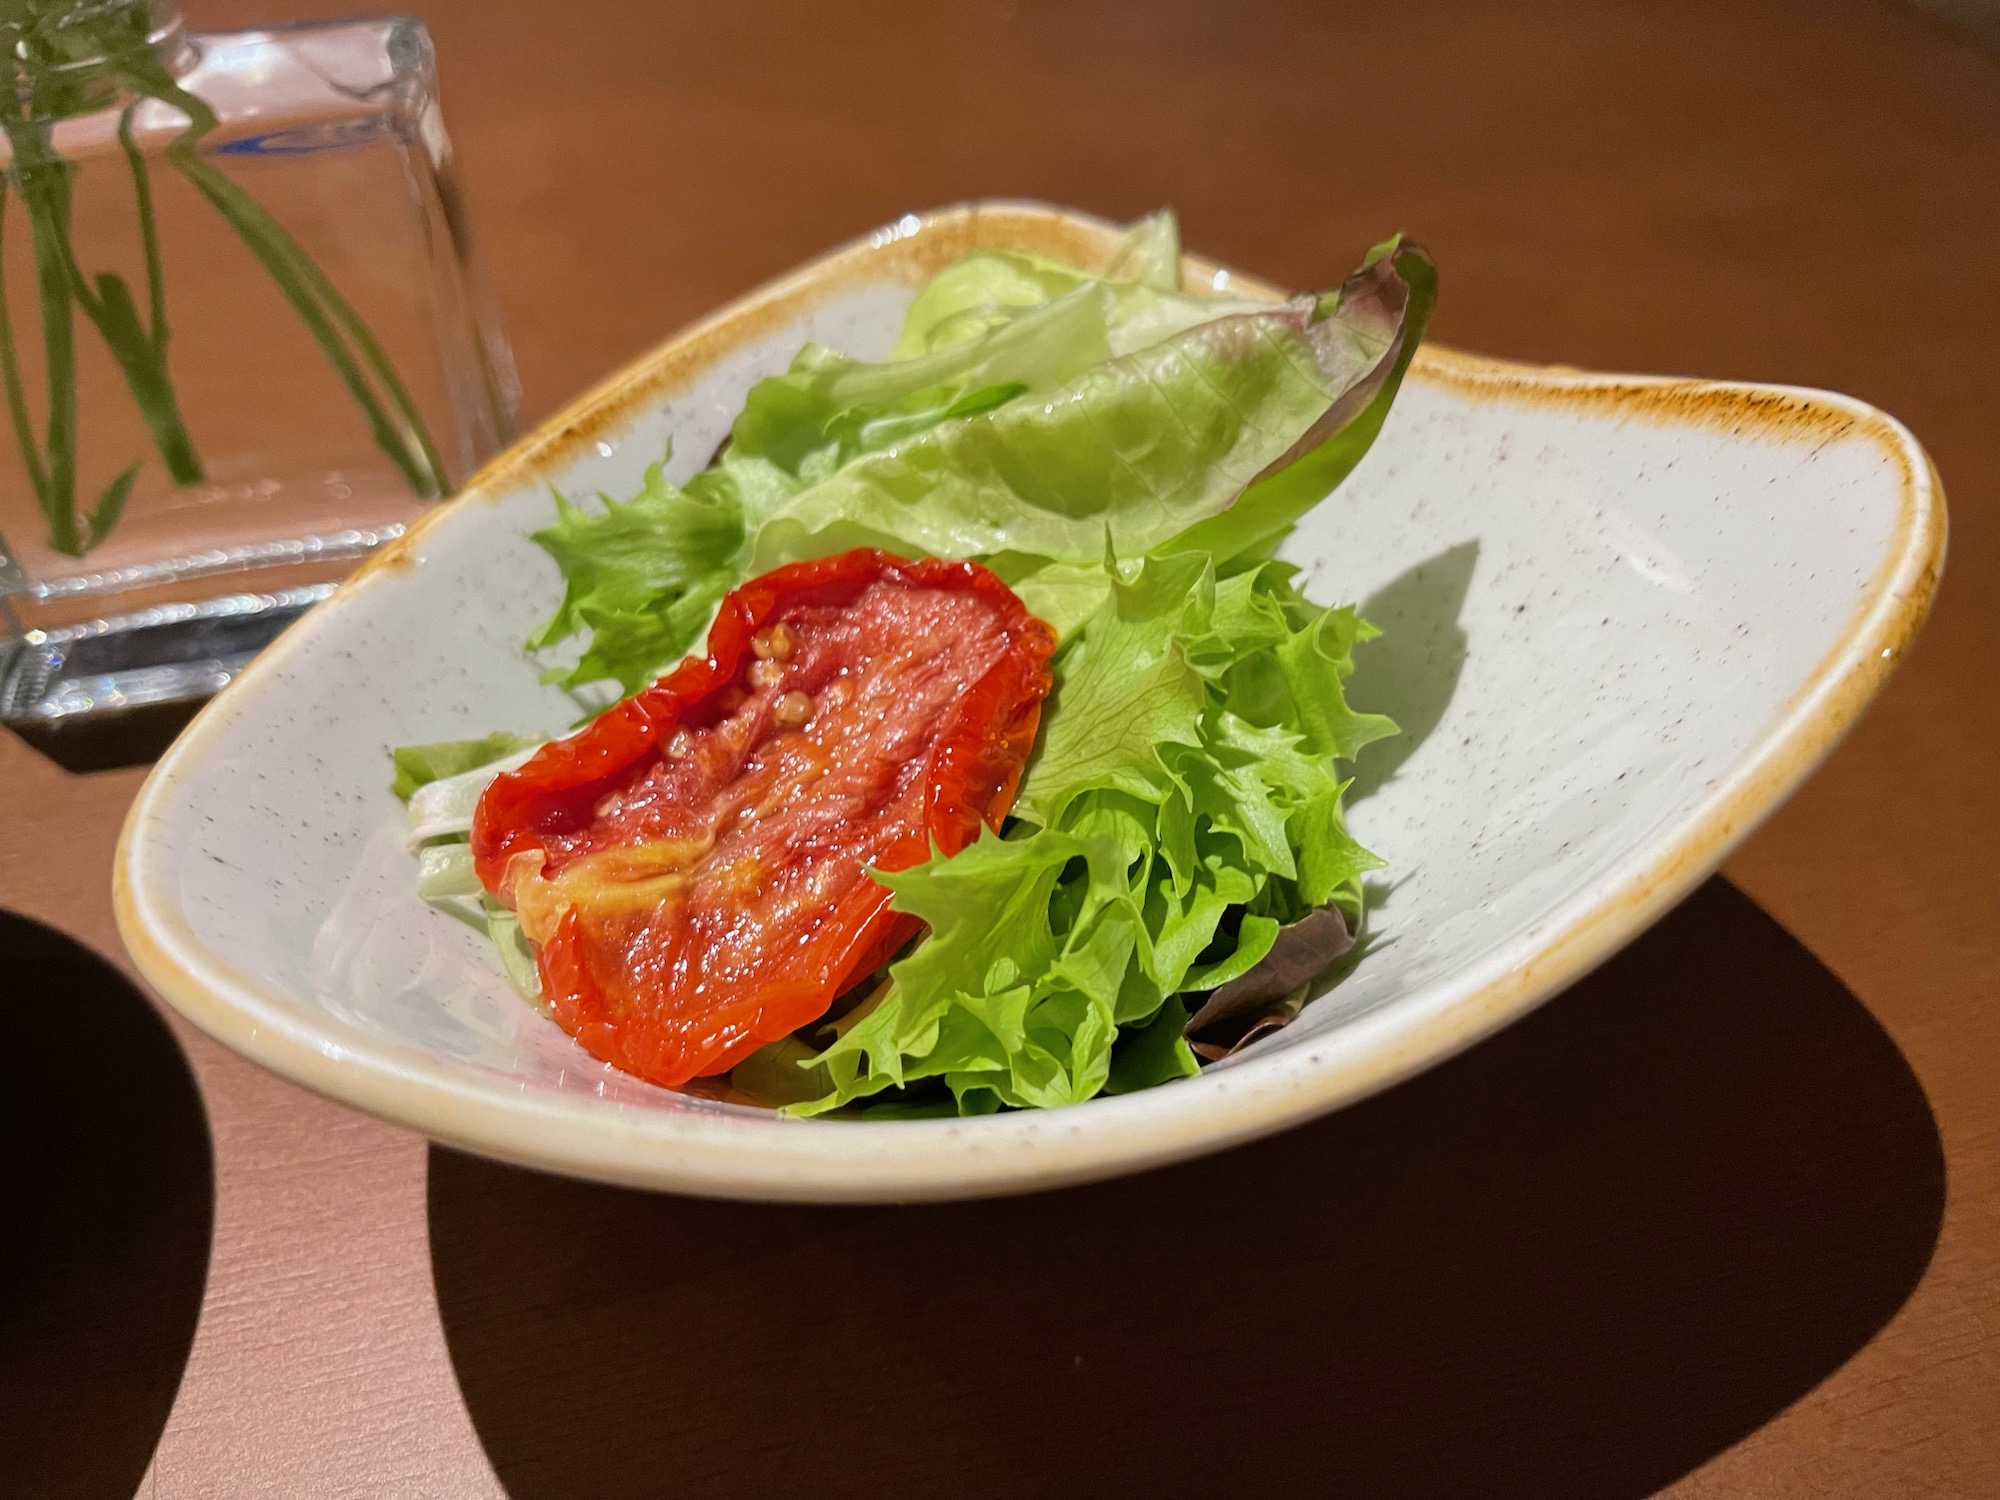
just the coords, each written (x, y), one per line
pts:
(642, 576)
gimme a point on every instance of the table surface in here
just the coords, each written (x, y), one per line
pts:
(1725, 1220)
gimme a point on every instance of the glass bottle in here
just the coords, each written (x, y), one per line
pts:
(244, 342)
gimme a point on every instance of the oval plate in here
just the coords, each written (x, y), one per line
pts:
(1625, 617)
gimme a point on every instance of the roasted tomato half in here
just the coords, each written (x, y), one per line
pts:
(693, 866)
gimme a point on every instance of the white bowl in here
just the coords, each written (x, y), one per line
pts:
(1626, 617)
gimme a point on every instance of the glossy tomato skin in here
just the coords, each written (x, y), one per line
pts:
(688, 985)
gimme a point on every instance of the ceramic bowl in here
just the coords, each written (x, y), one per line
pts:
(1624, 618)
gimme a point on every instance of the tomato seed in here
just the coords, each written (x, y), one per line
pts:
(773, 641)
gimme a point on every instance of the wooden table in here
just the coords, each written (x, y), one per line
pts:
(1725, 1220)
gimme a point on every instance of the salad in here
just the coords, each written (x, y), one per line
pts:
(971, 750)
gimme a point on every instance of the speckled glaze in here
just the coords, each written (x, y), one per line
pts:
(1624, 619)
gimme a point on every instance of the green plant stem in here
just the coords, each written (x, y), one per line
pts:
(373, 352)
(42, 179)
(142, 360)
(141, 354)
(149, 230)
(10, 369)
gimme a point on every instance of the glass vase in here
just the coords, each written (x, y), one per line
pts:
(243, 342)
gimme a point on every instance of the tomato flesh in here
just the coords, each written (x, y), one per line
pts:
(696, 882)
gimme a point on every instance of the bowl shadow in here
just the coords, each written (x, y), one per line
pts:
(1411, 670)
(106, 1199)
(1576, 1261)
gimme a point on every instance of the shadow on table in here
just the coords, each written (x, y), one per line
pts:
(106, 1193)
(1576, 1261)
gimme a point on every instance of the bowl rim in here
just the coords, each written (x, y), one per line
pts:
(745, 1154)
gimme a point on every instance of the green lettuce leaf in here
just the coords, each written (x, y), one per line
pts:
(827, 408)
(642, 575)
(1382, 309)
(1140, 290)
(979, 294)
(420, 765)
(1127, 690)
(1154, 1053)
(1137, 448)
